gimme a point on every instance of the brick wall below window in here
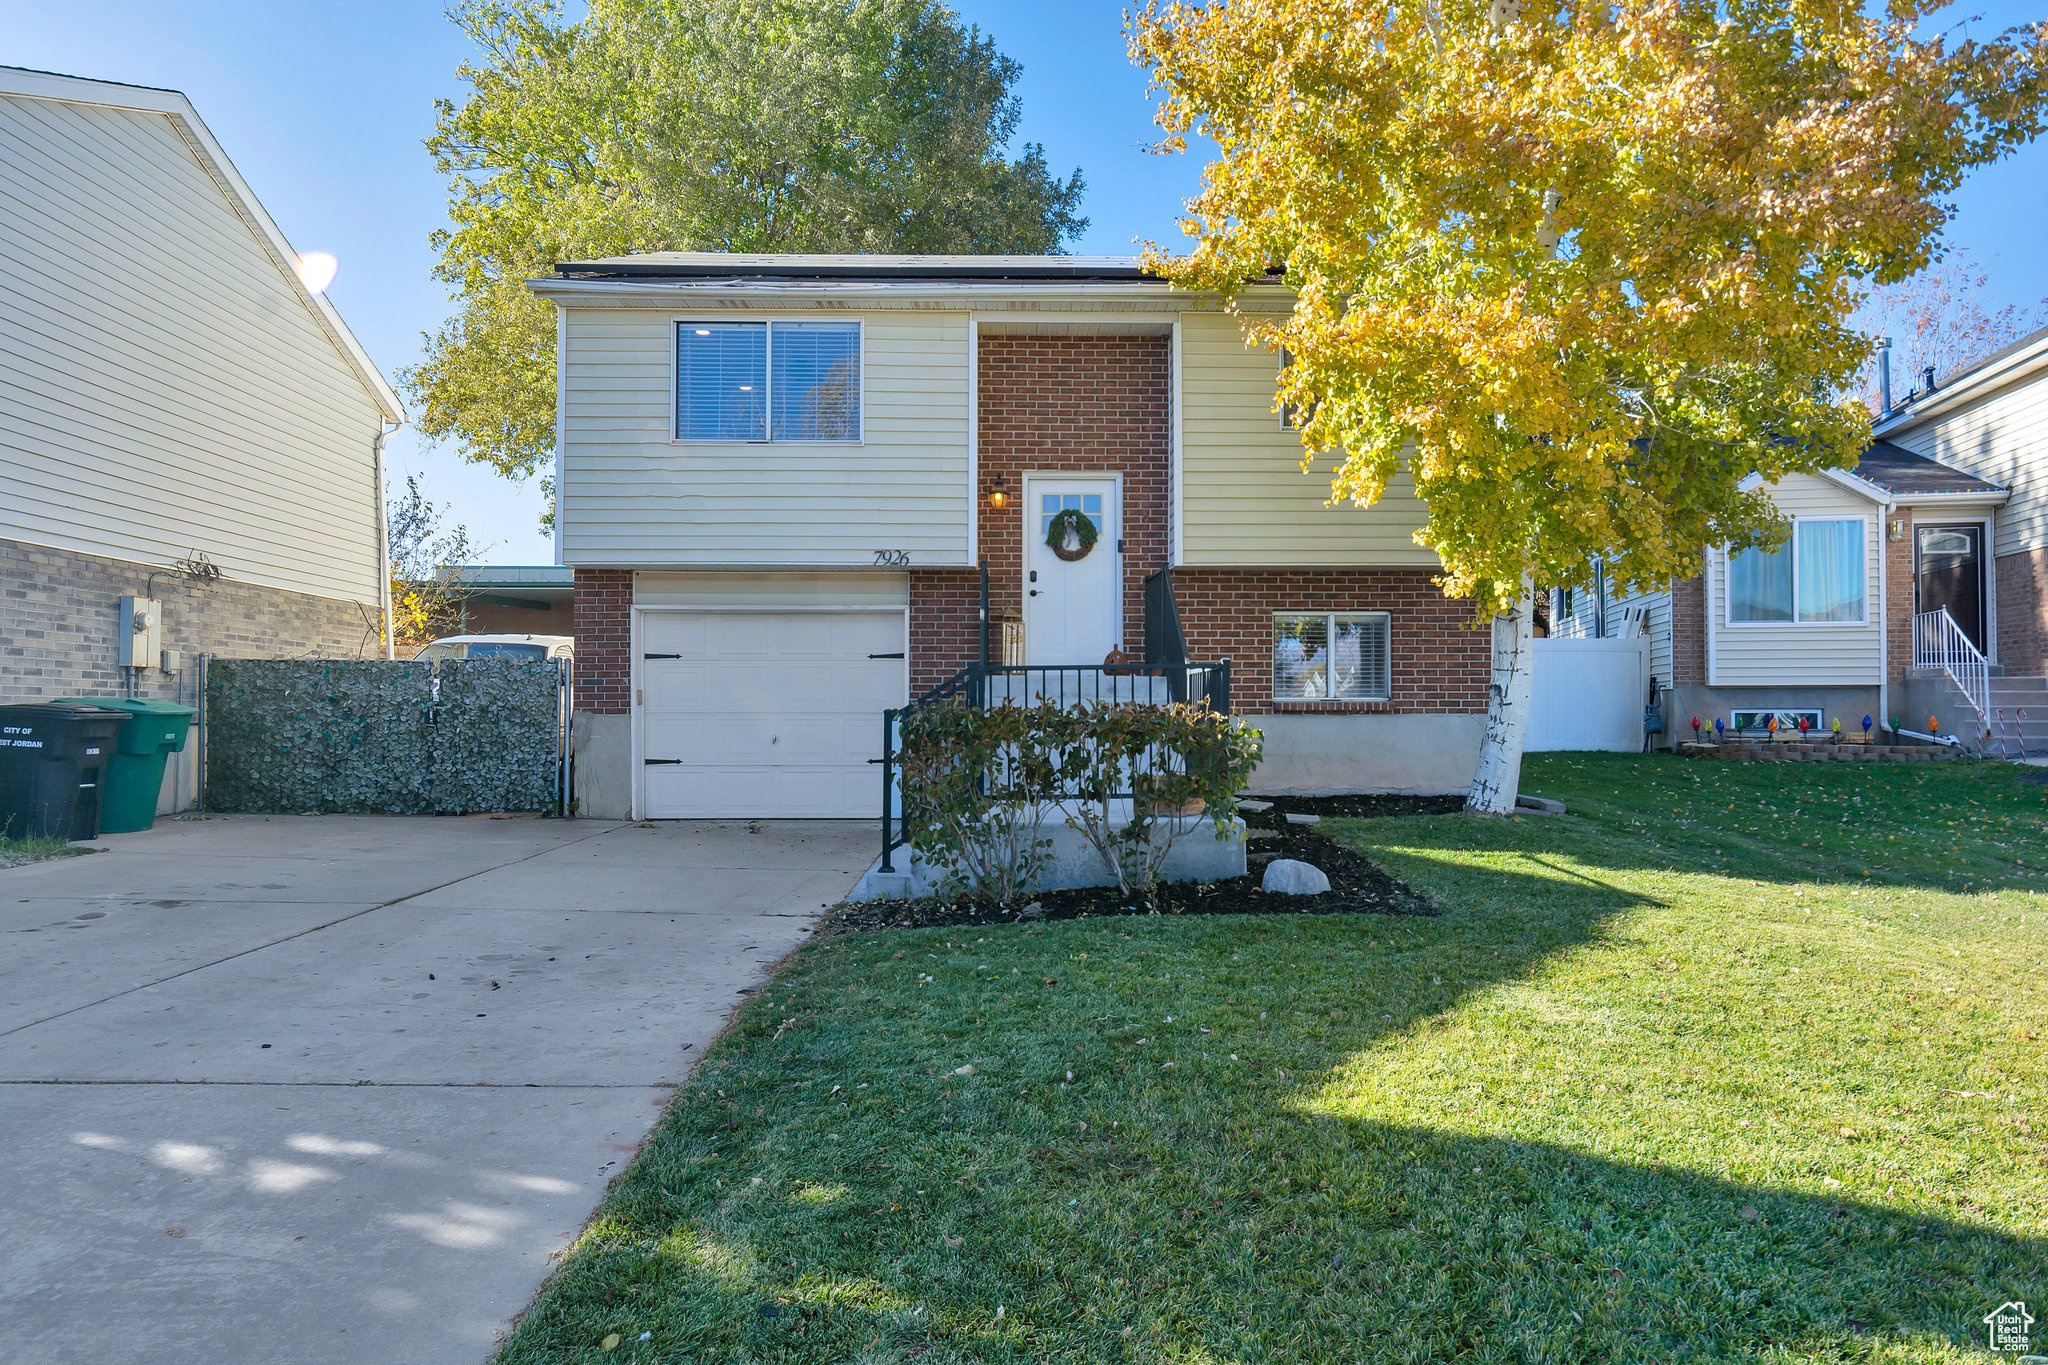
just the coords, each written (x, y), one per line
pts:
(1441, 662)
(604, 640)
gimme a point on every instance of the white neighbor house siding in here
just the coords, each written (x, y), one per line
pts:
(1244, 497)
(633, 497)
(2003, 437)
(165, 386)
(1817, 655)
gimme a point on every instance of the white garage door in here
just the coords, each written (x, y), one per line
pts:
(770, 715)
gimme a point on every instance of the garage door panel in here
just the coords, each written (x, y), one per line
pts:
(766, 714)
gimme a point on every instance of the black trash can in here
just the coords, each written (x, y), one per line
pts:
(53, 764)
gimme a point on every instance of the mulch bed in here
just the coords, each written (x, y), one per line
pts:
(1358, 886)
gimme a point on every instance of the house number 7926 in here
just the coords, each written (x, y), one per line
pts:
(893, 559)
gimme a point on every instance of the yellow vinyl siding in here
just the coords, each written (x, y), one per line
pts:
(631, 496)
(2003, 437)
(1816, 654)
(1245, 499)
(164, 386)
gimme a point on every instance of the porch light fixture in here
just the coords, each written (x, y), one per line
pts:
(1897, 529)
(998, 495)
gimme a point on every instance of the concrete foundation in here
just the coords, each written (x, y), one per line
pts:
(1849, 704)
(1324, 755)
(601, 745)
(1198, 855)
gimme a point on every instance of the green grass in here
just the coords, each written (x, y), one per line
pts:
(1735, 1062)
(14, 852)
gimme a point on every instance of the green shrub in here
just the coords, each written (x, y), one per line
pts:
(979, 784)
(974, 784)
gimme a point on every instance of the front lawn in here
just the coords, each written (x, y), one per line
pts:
(1734, 1061)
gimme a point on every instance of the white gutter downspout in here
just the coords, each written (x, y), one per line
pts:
(383, 532)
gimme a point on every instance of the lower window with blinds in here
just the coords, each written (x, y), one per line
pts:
(1332, 656)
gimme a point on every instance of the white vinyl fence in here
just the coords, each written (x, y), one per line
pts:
(1589, 694)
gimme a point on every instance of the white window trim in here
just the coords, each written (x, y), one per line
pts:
(1727, 612)
(675, 378)
(1330, 619)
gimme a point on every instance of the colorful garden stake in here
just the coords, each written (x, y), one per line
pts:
(1695, 727)
(1934, 725)
(1866, 724)
(1805, 724)
(1719, 727)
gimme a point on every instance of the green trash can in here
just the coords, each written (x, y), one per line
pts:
(154, 731)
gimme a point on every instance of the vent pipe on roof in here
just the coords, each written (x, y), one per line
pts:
(1928, 375)
(1884, 376)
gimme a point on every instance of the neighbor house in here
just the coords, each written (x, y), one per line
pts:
(787, 484)
(190, 437)
(1914, 586)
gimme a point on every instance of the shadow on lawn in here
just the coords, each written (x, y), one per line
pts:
(1181, 1200)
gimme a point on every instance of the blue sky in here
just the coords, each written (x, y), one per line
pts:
(324, 107)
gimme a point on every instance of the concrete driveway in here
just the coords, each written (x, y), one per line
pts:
(334, 1089)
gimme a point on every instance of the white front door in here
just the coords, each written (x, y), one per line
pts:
(775, 714)
(1072, 601)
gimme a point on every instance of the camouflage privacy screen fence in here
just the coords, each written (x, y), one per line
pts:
(372, 737)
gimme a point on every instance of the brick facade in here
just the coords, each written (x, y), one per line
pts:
(1689, 632)
(604, 640)
(2022, 580)
(1103, 404)
(1441, 662)
(945, 616)
(1899, 584)
(1068, 405)
(60, 612)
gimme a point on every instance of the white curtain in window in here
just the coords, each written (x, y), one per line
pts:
(1760, 586)
(817, 381)
(722, 381)
(1831, 582)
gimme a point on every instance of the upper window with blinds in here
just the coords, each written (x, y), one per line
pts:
(768, 381)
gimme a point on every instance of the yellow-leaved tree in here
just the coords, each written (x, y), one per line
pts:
(1580, 267)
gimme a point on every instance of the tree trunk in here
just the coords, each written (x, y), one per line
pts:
(1498, 780)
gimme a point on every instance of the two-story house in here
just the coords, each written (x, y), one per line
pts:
(190, 437)
(784, 480)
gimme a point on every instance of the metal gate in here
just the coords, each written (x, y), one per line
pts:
(1589, 694)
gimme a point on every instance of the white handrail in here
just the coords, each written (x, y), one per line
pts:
(1938, 642)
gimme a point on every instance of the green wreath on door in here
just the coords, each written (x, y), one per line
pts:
(1071, 521)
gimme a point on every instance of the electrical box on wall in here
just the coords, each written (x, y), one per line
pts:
(140, 640)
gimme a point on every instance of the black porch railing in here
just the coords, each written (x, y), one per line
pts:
(981, 684)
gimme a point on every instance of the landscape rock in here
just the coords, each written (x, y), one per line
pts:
(1538, 805)
(1292, 877)
(1298, 818)
(1250, 807)
(1035, 910)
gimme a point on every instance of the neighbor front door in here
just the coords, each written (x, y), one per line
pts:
(1071, 602)
(1949, 572)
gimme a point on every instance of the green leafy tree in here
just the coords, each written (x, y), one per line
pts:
(1578, 266)
(426, 600)
(713, 125)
